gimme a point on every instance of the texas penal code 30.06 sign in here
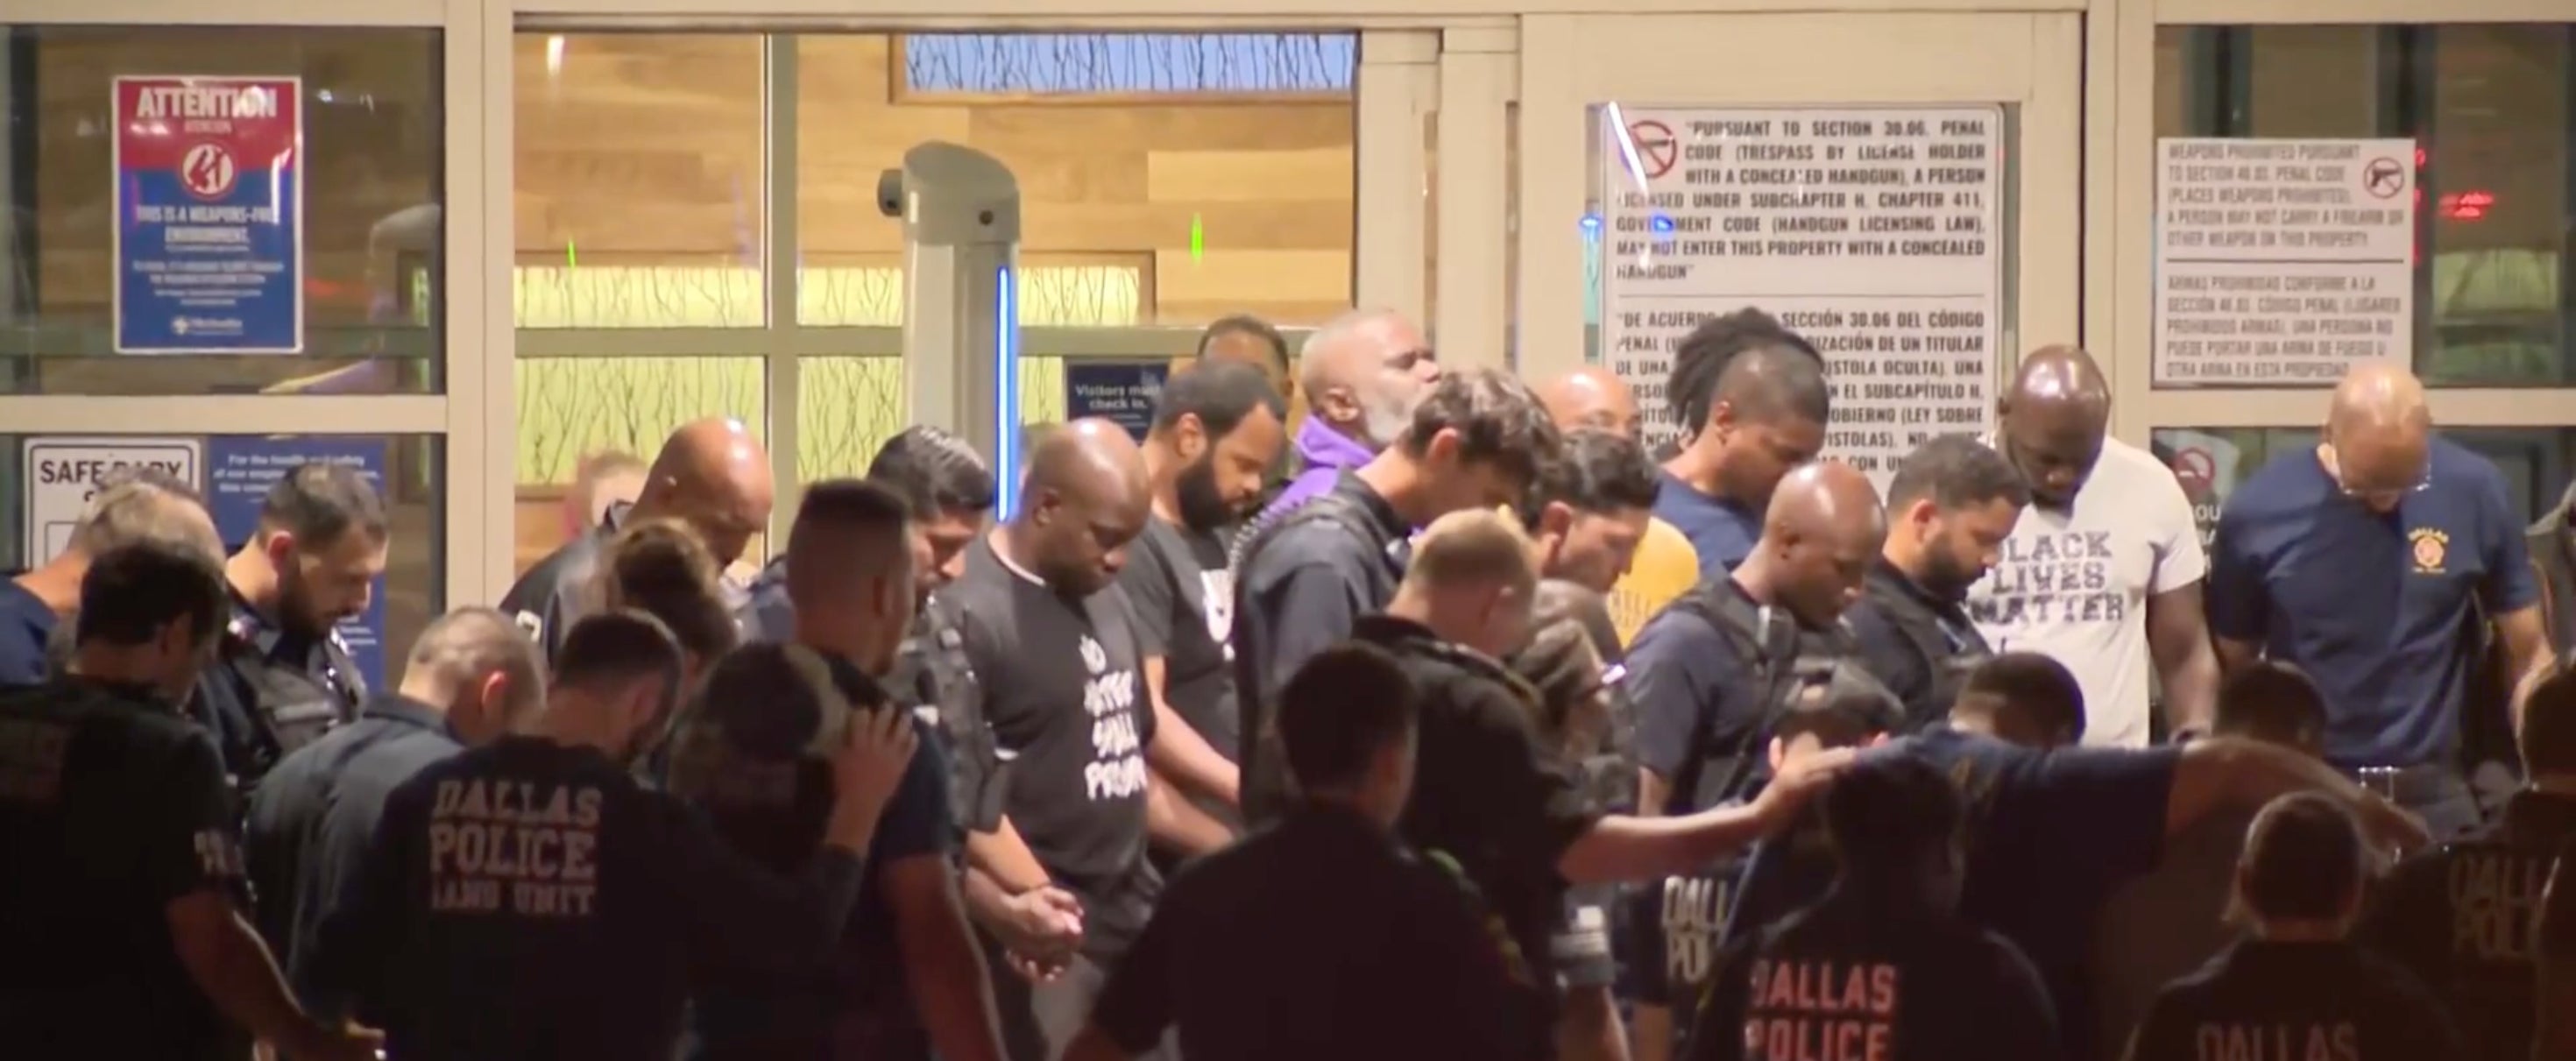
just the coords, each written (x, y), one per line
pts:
(1874, 232)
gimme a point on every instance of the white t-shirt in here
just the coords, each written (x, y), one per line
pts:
(2075, 585)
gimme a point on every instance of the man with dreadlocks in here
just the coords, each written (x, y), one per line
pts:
(1751, 400)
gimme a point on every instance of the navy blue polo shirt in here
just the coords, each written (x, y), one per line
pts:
(1720, 530)
(2376, 608)
(26, 625)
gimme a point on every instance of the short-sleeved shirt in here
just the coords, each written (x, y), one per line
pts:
(2377, 609)
(858, 994)
(1665, 566)
(1322, 937)
(312, 819)
(26, 628)
(1063, 683)
(2074, 584)
(532, 899)
(2050, 835)
(1485, 793)
(1721, 530)
(2296, 1000)
(1846, 978)
(112, 806)
(2459, 918)
(1183, 594)
(1297, 594)
(1919, 652)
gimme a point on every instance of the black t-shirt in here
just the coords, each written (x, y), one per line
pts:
(1184, 599)
(1484, 792)
(1064, 687)
(112, 806)
(1322, 937)
(2050, 835)
(1299, 590)
(531, 899)
(1850, 978)
(2296, 1001)
(2459, 917)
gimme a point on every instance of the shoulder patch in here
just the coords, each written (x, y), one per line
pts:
(530, 624)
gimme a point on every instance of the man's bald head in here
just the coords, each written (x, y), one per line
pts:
(2379, 434)
(1085, 497)
(1363, 371)
(2055, 417)
(1591, 397)
(1820, 535)
(712, 474)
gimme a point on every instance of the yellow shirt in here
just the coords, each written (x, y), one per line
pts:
(1665, 567)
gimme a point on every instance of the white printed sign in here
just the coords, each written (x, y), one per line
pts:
(63, 473)
(2282, 262)
(1876, 233)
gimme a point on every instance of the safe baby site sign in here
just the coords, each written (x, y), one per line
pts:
(209, 215)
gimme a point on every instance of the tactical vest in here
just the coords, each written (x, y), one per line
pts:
(285, 707)
(1778, 661)
(1264, 764)
(1348, 513)
(934, 672)
(1948, 651)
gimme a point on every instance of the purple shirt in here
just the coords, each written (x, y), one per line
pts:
(1326, 454)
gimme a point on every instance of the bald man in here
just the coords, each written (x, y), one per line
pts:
(712, 475)
(1662, 564)
(1751, 400)
(1362, 373)
(1709, 674)
(2103, 570)
(2364, 562)
(1059, 657)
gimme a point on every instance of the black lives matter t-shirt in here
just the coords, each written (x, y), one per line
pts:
(111, 807)
(1063, 687)
(1184, 598)
(531, 899)
(1853, 979)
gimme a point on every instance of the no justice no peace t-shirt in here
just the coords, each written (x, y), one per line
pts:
(1062, 686)
(2074, 584)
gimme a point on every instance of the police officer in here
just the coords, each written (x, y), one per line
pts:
(711, 474)
(1510, 812)
(130, 505)
(1951, 506)
(1883, 966)
(1712, 672)
(283, 676)
(121, 910)
(1570, 665)
(1476, 440)
(1843, 708)
(529, 898)
(850, 584)
(1363, 948)
(471, 675)
(2458, 916)
(2296, 987)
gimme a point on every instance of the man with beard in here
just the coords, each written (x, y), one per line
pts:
(531, 898)
(711, 474)
(1751, 399)
(282, 677)
(1217, 428)
(2104, 570)
(1951, 506)
(1058, 655)
(1362, 372)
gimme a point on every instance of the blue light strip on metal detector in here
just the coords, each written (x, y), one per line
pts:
(1006, 393)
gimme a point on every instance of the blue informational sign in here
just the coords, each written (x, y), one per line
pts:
(209, 215)
(239, 472)
(1121, 391)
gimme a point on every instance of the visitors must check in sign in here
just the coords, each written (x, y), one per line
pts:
(1876, 233)
(209, 215)
(63, 474)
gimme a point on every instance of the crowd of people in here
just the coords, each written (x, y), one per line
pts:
(1359, 708)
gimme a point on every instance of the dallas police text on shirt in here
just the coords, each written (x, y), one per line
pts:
(1802, 1010)
(533, 846)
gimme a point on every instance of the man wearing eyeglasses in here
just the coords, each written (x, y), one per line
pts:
(2365, 563)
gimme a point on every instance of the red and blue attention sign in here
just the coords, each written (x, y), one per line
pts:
(210, 215)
